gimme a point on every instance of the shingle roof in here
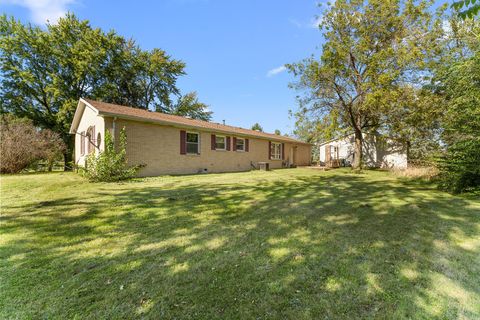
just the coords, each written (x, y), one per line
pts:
(145, 115)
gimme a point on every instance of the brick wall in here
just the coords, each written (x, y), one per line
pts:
(158, 147)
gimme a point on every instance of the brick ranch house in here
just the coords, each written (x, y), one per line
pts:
(168, 144)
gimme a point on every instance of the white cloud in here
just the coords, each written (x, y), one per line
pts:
(42, 11)
(276, 71)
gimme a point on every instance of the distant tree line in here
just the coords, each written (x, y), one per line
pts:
(44, 71)
(257, 127)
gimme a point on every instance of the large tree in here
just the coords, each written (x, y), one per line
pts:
(373, 51)
(457, 82)
(460, 164)
(145, 79)
(43, 73)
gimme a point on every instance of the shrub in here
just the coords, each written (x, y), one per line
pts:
(460, 166)
(111, 164)
(52, 146)
(21, 144)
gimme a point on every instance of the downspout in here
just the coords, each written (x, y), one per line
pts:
(113, 128)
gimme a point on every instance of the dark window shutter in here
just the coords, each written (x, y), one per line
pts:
(234, 145)
(246, 145)
(214, 144)
(183, 142)
(283, 151)
(228, 143)
(269, 150)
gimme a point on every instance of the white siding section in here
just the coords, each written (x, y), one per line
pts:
(88, 118)
(377, 151)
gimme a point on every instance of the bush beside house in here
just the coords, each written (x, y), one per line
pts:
(111, 164)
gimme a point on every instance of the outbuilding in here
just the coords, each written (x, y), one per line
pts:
(378, 152)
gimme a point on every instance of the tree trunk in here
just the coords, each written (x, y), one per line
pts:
(68, 154)
(67, 158)
(358, 152)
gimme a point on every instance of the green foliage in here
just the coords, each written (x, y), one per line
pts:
(470, 8)
(189, 106)
(43, 73)
(372, 51)
(416, 118)
(143, 79)
(460, 165)
(277, 132)
(111, 163)
(312, 128)
(257, 127)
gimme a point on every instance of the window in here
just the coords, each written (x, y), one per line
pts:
(276, 151)
(193, 143)
(333, 152)
(240, 144)
(90, 139)
(220, 143)
(99, 140)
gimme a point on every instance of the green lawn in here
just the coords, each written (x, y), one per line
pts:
(286, 244)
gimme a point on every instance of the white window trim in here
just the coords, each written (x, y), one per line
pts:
(224, 143)
(333, 152)
(272, 156)
(186, 143)
(236, 140)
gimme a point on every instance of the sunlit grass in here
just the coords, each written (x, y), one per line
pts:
(296, 243)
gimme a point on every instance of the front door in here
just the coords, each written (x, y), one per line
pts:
(293, 155)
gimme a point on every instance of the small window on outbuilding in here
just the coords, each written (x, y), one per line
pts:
(99, 140)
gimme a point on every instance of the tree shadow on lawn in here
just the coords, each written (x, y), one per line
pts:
(336, 246)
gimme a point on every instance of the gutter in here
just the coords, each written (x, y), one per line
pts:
(183, 126)
(114, 128)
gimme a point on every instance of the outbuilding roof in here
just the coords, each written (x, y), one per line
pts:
(115, 110)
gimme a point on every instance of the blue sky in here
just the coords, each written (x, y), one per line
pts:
(234, 50)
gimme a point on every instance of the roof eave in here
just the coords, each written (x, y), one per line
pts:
(82, 104)
(186, 126)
